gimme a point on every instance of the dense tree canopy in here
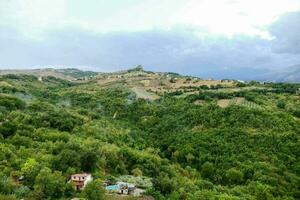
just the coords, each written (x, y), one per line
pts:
(52, 129)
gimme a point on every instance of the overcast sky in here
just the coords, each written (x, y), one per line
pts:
(209, 38)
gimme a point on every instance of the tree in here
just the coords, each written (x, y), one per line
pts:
(240, 84)
(7, 129)
(30, 170)
(207, 170)
(94, 191)
(67, 158)
(89, 160)
(137, 172)
(234, 176)
(164, 184)
(49, 185)
(189, 158)
(173, 80)
(11, 103)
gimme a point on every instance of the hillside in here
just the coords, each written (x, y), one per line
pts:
(176, 137)
(152, 85)
(145, 84)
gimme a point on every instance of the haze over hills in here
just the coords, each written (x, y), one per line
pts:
(64, 73)
(288, 74)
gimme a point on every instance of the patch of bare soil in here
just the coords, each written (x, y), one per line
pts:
(199, 102)
(223, 103)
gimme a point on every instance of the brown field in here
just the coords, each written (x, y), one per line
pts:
(223, 103)
(226, 102)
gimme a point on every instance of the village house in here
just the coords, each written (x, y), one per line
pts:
(80, 180)
(124, 188)
(121, 188)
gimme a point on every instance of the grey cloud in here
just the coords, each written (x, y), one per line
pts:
(178, 50)
(287, 33)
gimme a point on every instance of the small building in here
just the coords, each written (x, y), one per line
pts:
(125, 188)
(121, 188)
(80, 180)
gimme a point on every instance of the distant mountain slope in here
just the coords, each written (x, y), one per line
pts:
(289, 74)
(145, 84)
(76, 73)
(151, 85)
(139, 77)
(68, 73)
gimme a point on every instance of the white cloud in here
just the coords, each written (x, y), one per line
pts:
(163, 35)
(32, 17)
(229, 17)
(35, 18)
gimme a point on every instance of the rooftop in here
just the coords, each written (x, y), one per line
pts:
(81, 175)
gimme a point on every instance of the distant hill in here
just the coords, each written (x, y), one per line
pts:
(145, 84)
(68, 73)
(289, 74)
(152, 85)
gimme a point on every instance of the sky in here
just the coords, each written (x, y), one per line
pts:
(208, 38)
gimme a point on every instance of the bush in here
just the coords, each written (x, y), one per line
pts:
(281, 104)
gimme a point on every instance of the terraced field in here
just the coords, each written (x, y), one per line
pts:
(236, 101)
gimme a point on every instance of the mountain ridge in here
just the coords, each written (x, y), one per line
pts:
(289, 74)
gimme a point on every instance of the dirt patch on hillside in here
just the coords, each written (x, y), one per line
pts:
(223, 103)
(227, 102)
(143, 94)
(199, 102)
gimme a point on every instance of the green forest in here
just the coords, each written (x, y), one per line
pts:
(53, 128)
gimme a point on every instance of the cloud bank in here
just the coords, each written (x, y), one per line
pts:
(183, 48)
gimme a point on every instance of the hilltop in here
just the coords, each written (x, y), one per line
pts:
(146, 84)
